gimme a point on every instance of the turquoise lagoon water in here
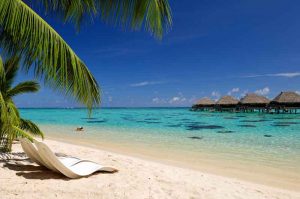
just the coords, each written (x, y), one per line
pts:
(270, 140)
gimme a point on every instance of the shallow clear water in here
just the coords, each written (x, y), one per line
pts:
(271, 140)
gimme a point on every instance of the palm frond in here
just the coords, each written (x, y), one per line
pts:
(32, 128)
(23, 31)
(2, 74)
(155, 15)
(13, 113)
(11, 66)
(73, 11)
(3, 110)
(4, 120)
(20, 133)
(23, 87)
(11, 125)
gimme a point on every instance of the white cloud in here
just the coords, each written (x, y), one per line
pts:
(290, 75)
(110, 99)
(244, 93)
(157, 100)
(146, 83)
(287, 75)
(174, 99)
(234, 90)
(215, 94)
(177, 100)
(264, 91)
(298, 92)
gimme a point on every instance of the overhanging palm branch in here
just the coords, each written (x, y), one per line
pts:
(23, 87)
(29, 126)
(11, 67)
(25, 32)
(20, 133)
(154, 14)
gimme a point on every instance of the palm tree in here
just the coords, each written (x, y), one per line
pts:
(11, 124)
(24, 32)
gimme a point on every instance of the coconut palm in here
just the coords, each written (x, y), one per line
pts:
(24, 32)
(11, 124)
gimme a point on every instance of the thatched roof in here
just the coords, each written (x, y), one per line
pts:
(205, 101)
(252, 98)
(227, 100)
(287, 98)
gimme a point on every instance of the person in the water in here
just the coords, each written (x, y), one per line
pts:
(79, 129)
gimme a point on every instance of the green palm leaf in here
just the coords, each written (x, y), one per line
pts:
(20, 133)
(12, 125)
(154, 14)
(29, 126)
(2, 74)
(23, 31)
(11, 67)
(73, 11)
(13, 113)
(24, 87)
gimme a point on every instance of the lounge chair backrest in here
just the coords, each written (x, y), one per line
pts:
(34, 155)
(48, 156)
(31, 151)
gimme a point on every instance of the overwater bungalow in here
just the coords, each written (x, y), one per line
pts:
(226, 103)
(285, 102)
(204, 104)
(252, 102)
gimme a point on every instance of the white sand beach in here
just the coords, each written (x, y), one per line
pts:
(137, 178)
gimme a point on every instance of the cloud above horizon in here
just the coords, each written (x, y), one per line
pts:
(146, 83)
(287, 75)
(175, 100)
(234, 90)
(263, 91)
(215, 95)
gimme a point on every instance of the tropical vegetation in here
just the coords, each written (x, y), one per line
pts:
(24, 32)
(12, 125)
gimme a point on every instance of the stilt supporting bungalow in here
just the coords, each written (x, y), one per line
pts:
(227, 103)
(204, 104)
(285, 102)
(253, 102)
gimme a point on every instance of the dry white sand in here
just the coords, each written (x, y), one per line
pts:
(137, 178)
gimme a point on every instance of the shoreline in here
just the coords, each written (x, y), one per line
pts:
(137, 178)
(263, 175)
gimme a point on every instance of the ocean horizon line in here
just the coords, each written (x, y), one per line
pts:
(119, 107)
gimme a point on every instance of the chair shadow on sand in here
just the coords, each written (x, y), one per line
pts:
(24, 167)
(18, 161)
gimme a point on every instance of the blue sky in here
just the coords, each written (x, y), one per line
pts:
(215, 47)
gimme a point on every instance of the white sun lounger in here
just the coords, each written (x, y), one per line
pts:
(32, 152)
(77, 170)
